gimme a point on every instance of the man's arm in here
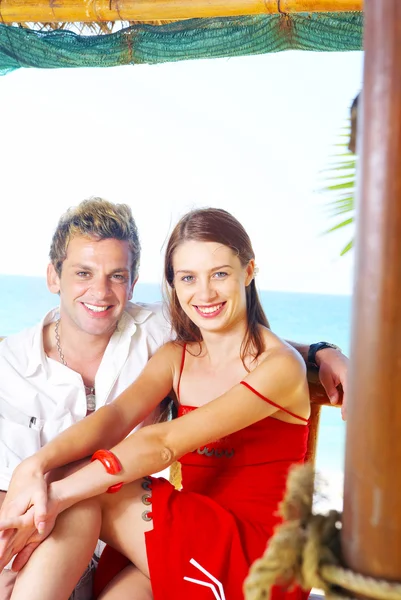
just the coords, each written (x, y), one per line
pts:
(333, 369)
(303, 349)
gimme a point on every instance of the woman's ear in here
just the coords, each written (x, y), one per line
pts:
(53, 280)
(250, 272)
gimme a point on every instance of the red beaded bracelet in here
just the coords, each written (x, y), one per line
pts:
(112, 466)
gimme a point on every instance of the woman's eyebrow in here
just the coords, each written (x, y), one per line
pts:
(221, 267)
(212, 269)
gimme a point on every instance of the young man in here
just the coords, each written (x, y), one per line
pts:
(83, 354)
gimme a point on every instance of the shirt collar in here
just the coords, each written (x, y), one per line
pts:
(135, 314)
(37, 357)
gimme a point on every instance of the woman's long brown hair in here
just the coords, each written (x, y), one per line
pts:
(214, 225)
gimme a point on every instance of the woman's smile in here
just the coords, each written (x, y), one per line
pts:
(210, 311)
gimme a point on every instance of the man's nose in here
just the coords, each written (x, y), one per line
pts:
(100, 287)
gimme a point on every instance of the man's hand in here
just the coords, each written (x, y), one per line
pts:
(333, 367)
(14, 540)
(20, 536)
(28, 488)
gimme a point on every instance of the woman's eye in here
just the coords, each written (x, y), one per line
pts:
(220, 274)
(188, 278)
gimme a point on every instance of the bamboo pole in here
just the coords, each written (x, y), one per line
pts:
(371, 533)
(89, 11)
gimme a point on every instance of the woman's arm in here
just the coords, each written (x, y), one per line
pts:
(280, 377)
(111, 423)
(105, 428)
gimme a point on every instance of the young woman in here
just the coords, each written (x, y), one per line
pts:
(243, 409)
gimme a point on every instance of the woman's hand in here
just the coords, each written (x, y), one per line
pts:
(333, 368)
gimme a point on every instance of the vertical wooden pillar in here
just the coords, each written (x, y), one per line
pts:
(372, 499)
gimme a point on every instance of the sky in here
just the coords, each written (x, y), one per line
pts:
(252, 135)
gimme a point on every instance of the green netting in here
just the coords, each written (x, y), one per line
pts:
(183, 40)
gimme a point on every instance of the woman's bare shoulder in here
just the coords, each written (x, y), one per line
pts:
(276, 347)
(280, 375)
(171, 350)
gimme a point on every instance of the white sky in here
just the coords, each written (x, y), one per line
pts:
(251, 135)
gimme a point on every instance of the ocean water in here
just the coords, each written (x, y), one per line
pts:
(298, 317)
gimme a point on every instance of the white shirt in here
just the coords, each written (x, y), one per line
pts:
(40, 397)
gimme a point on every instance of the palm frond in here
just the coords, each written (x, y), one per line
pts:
(347, 248)
(339, 185)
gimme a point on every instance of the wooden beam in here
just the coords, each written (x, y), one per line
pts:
(371, 534)
(89, 11)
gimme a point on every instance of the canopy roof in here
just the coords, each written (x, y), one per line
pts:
(154, 10)
(165, 30)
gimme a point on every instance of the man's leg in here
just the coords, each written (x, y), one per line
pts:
(7, 580)
(56, 566)
(130, 584)
(83, 590)
(7, 577)
(68, 549)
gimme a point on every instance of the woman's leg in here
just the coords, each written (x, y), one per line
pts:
(125, 520)
(129, 584)
(57, 564)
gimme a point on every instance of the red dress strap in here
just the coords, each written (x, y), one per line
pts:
(181, 370)
(273, 403)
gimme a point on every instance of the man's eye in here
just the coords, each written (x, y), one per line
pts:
(119, 277)
(82, 273)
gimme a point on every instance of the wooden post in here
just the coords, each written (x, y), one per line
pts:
(372, 501)
(85, 11)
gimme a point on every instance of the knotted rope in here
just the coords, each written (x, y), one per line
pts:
(305, 551)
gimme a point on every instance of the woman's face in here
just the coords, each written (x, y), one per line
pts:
(210, 284)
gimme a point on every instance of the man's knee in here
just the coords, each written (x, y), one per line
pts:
(7, 580)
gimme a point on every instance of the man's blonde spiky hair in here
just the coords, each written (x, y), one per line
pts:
(100, 219)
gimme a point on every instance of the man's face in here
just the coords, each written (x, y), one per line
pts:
(95, 284)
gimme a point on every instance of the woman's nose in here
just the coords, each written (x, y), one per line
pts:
(207, 292)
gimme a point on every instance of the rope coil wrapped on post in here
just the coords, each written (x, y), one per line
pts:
(305, 550)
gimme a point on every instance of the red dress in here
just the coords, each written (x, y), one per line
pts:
(206, 536)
